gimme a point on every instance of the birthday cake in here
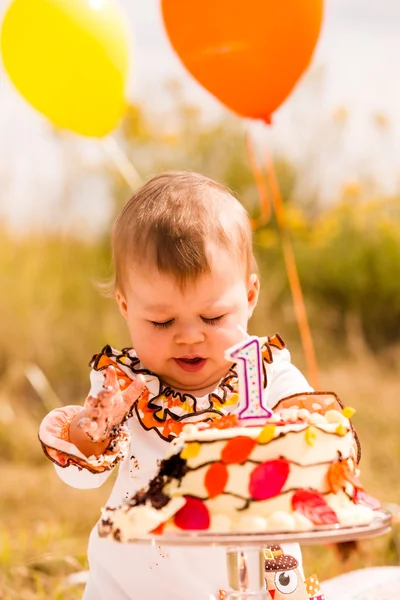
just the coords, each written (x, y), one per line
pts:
(297, 470)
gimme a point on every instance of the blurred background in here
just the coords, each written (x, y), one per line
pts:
(335, 144)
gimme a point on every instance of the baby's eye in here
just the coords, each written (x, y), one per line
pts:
(212, 321)
(163, 325)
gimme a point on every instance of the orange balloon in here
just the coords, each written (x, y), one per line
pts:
(249, 54)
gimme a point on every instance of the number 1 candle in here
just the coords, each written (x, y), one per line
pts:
(250, 378)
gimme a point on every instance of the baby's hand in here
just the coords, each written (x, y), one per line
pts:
(110, 407)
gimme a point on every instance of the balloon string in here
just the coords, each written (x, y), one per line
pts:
(291, 268)
(122, 162)
(293, 275)
(262, 187)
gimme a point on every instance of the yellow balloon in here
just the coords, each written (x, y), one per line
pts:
(69, 59)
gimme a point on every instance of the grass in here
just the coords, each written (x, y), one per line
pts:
(46, 524)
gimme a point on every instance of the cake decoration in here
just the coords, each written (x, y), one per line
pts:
(267, 434)
(238, 450)
(193, 515)
(312, 505)
(251, 401)
(361, 497)
(268, 479)
(340, 474)
(215, 479)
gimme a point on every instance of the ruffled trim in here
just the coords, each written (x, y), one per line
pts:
(54, 437)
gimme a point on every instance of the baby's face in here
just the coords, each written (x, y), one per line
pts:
(181, 335)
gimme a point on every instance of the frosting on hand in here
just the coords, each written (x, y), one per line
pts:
(106, 410)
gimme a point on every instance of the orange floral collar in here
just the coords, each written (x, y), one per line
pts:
(165, 410)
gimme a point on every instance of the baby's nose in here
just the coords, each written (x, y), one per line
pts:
(189, 336)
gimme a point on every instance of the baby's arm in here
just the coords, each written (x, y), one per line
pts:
(86, 443)
(286, 378)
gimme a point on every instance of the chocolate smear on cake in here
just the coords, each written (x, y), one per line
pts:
(174, 467)
(171, 468)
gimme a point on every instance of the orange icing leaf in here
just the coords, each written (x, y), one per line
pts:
(267, 434)
(158, 530)
(339, 474)
(224, 422)
(216, 479)
(238, 450)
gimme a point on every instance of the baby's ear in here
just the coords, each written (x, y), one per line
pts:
(253, 292)
(122, 305)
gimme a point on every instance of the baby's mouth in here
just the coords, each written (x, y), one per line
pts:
(192, 364)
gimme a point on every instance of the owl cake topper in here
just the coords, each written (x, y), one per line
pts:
(283, 578)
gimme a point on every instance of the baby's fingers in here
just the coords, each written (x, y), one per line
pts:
(108, 395)
(133, 391)
(110, 385)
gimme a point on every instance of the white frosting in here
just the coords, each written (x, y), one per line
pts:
(133, 522)
(281, 521)
(301, 522)
(293, 446)
(214, 434)
(96, 383)
(220, 523)
(250, 524)
(355, 515)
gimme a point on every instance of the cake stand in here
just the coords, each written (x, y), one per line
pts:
(245, 551)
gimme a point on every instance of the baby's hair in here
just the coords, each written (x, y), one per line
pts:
(170, 221)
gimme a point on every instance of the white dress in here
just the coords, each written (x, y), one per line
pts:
(138, 572)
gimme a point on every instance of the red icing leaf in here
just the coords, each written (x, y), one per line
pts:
(194, 515)
(361, 497)
(216, 479)
(238, 450)
(312, 505)
(339, 474)
(267, 479)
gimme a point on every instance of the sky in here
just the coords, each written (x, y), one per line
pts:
(353, 83)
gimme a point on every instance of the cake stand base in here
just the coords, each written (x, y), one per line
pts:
(246, 567)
